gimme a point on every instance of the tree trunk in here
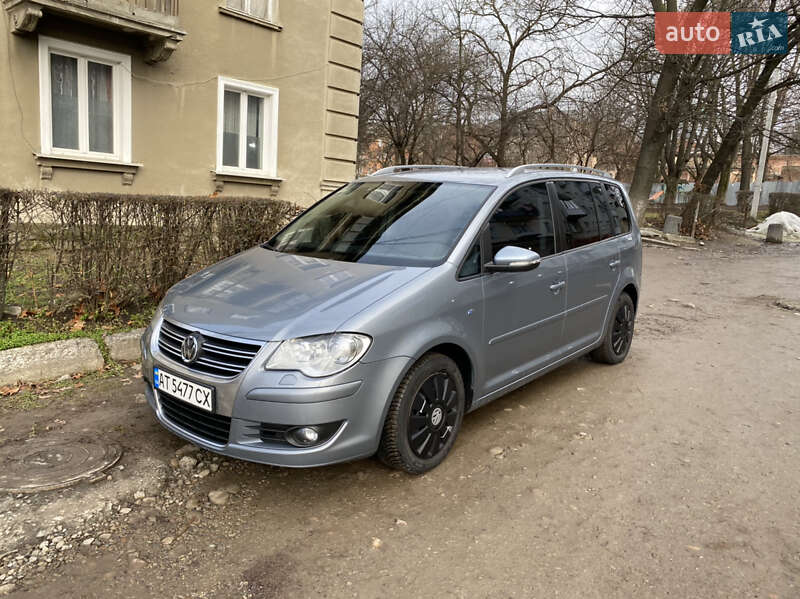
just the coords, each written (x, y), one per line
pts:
(504, 134)
(747, 157)
(655, 136)
(722, 189)
(670, 194)
(657, 127)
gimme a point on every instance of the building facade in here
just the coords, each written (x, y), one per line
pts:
(253, 98)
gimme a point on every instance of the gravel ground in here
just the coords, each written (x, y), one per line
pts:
(674, 474)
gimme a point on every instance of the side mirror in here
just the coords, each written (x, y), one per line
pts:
(514, 259)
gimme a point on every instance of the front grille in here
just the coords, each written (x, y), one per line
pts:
(218, 356)
(207, 425)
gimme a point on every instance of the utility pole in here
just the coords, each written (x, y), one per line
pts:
(762, 158)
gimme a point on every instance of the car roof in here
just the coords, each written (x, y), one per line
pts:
(497, 177)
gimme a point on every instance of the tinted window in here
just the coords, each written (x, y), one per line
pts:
(605, 213)
(472, 265)
(524, 219)
(396, 223)
(620, 209)
(580, 216)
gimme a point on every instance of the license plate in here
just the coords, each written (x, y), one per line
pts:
(199, 396)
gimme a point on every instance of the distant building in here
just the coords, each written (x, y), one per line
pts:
(230, 97)
(783, 167)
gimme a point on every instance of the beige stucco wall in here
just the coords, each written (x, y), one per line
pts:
(314, 62)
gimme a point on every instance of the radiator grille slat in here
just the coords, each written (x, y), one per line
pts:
(219, 357)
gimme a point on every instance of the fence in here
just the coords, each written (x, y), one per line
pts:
(685, 190)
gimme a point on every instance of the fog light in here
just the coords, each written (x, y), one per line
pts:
(304, 436)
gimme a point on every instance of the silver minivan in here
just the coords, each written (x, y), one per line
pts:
(385, 312)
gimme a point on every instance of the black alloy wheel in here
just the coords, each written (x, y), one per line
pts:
(622, 330)
(424, 415)
(619, 333)
(434, 415)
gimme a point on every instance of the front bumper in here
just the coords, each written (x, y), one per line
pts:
(358, 398)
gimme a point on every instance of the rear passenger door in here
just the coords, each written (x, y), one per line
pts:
(592, 258)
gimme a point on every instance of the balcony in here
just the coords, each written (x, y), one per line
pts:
(156, 21)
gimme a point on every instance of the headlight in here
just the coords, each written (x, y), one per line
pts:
(321, 355)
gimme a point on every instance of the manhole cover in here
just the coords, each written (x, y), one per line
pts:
(48, 464)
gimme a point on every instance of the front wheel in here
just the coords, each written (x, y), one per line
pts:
(617, 340)
(424, 417)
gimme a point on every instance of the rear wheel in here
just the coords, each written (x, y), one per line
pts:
(424, 417)
(618, 337)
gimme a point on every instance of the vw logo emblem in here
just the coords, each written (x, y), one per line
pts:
(191, 346)
(436, 416)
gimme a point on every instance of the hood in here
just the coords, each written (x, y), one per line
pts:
(268, 296)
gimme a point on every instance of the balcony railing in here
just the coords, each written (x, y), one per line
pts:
(155, 20)
(165, 7)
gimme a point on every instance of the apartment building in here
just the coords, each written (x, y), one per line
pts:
(255, 98)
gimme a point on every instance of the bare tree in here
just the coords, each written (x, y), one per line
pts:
(403, 65)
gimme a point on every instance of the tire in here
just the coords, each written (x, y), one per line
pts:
(617, 339)
(424, 417)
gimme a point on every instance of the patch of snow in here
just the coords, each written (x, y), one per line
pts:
(789, 221)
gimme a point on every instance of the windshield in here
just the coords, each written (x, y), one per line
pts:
(385, 222)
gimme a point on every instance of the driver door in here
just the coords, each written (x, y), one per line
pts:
(523, 311)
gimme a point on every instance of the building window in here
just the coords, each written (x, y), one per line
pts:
(85, 101)
(258, 9)
(247, 129)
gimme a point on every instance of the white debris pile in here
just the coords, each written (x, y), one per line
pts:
(789, 221)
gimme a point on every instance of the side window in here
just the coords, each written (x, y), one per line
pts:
(605, 215)
(619, 208)
(472, 265)
(524, 219)
(580, 216)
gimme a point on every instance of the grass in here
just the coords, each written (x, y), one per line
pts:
(40, 328)
(23, 401)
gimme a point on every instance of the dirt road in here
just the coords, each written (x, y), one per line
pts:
(675, 474)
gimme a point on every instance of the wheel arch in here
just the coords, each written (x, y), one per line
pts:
(632, 291)
(461, 357)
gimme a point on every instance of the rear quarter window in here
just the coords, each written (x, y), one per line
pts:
(606, 218)
(620, 209)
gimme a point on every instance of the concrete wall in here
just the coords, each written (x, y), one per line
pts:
(314, 61)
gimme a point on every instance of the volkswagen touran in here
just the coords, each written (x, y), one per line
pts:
(375, 320)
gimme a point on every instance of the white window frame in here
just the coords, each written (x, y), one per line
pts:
(269, 132)
(121, 74)
(247, 10)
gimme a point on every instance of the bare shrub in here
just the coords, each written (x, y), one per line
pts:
(780, 201)
(105, 252)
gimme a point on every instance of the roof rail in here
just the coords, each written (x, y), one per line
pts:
(573, 168)
(404, 168)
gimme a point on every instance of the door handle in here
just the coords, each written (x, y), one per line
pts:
(613, 264)
(556, 287)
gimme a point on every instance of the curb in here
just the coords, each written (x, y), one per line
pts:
(124, 347)
(49, 361)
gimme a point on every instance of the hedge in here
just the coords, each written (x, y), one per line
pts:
(99, 252)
